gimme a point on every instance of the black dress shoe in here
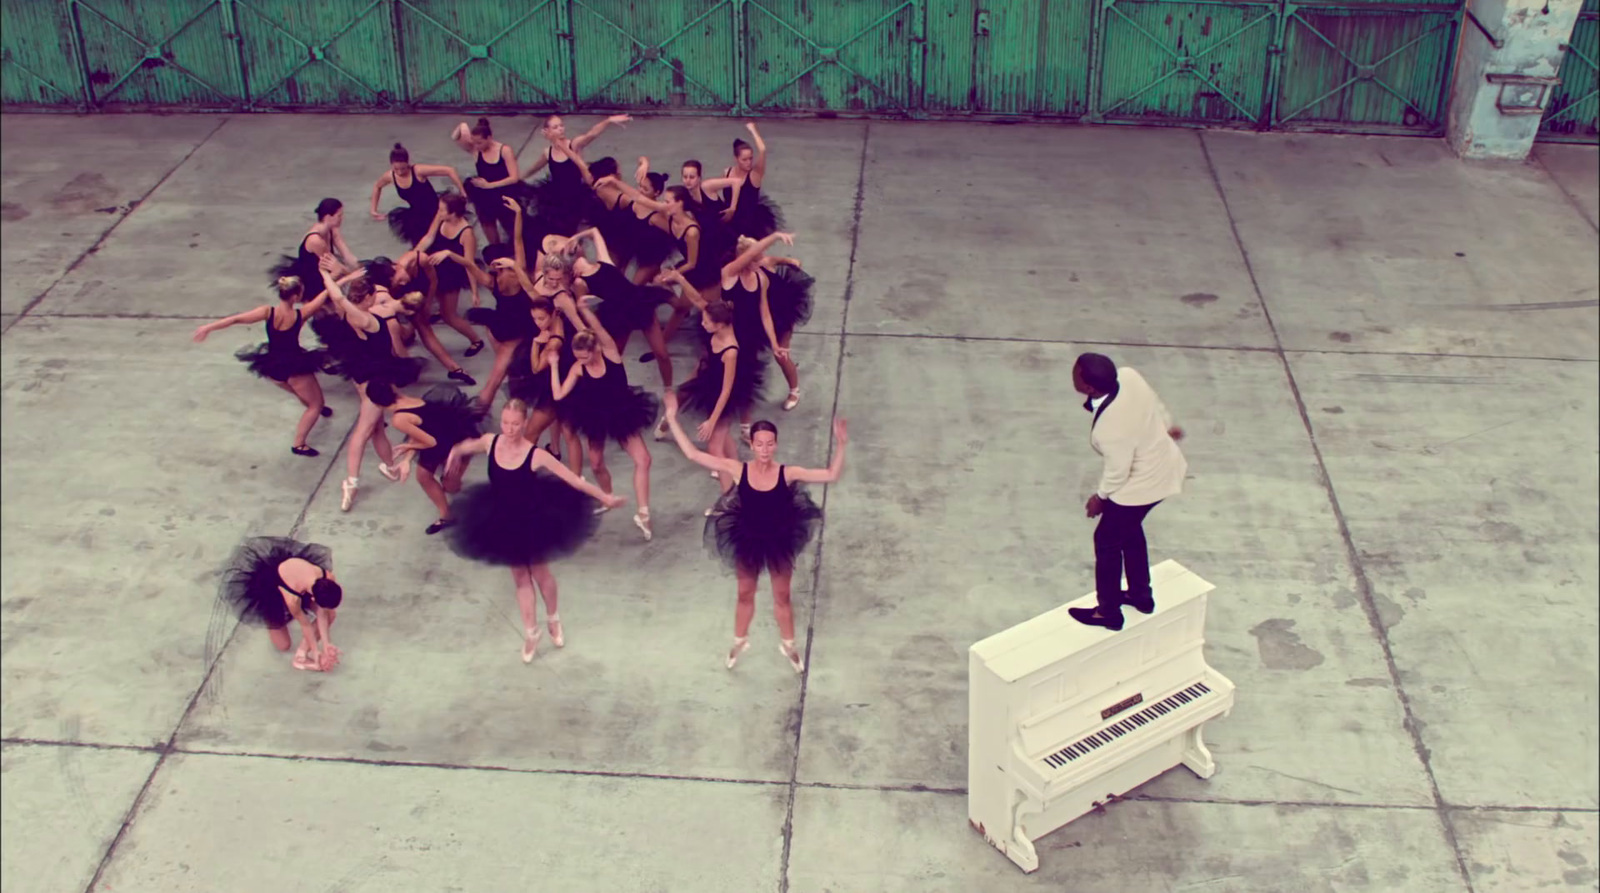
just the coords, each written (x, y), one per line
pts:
(1144, 604)
(1091, 617)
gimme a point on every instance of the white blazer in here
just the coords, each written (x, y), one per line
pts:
(1143, 464)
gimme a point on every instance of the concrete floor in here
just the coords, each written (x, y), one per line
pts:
(1386, 360)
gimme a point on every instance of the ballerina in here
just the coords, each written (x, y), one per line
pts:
(528, 380)
(523, 519)
(451, 248)
(270, 581)
(376, 353)
(563, 201)
(619, 222)
(496, 180)
(702, 252)
(725, 387)
(509, 322)
(768, 305)
(624, 306)
(325, 238)
(764, 522)
(433, 425)
(750, 213)
(601, 405)
(651, 236)
(412, 272)
(281, 359)
(411, 221)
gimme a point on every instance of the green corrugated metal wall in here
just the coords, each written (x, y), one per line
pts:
(1264, 64)
(1573, 114)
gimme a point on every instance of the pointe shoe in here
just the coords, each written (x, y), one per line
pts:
(530, 645)
(793, 401)
(662, 432)
(389, 471)
(787, 649)
(556, 636)
(641, 520)
(740, 646)
(347, 490)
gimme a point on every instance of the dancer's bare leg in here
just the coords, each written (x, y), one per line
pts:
(431, 486)
(280, 639)
(574, 448)
(305, 389)
(502, 363)
(449, 309)
(783, 613)
(547, 590)
(597, 464)
(523, 578)
(431, 341)
(640, 454)
(658, 346)
(743, 612)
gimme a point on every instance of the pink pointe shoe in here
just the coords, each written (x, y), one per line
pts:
(740, 646)
(530, 645)
(556, 637)
(347, 493)
(787, 649)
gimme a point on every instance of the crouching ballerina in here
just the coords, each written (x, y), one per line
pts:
(271, 580)
(532, 511)
(763, 522)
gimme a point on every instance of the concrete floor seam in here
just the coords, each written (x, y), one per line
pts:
(822, 526)
(135, 206)
(1571, 199)
(1352, 554)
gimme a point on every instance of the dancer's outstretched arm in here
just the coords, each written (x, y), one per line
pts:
(249, 316)
(543, 459)
(694, 454)
(841, 435)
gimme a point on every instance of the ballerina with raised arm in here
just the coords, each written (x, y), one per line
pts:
(410, 222)
(325, 238)
(281, 359)
(764, 522)
(749, 212)
(532, 511)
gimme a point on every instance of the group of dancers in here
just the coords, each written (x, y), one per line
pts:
(555, 257)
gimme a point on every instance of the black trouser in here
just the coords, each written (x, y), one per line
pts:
(1119, 547)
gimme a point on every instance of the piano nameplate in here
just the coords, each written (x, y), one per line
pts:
(1122, 705)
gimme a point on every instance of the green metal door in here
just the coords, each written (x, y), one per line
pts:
(176, 53)
(821, 55)
(1183, 61)
(1573, 113)
(1023, 57)
(38, 63)
(655, 56)
(479, 54)
(1369, 67)
(331, 53)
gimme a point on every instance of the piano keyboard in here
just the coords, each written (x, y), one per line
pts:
(1088, 745)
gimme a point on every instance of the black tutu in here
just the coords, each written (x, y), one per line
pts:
(282, 365)
(452, 276)
(487, 204)
(789, 298)
(450, 416)
(339, 341)
(398, 371)
(652, 245)
(770, 542)
(634, 309)
(250, 581)
(309, 273)
(620, 230)
(536, 522)
(699, 395)
(522, 383)
(610, 415)
(506, 324)
(356, 359)
(758, 220)
(410, 224)
(563, 208)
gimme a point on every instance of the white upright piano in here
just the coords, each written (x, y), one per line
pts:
(1064, 717)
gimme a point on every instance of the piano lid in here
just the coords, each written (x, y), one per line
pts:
(1038, 643)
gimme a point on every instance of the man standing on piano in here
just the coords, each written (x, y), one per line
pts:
(1133, 432)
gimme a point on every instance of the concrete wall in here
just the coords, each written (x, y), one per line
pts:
(1533, 36)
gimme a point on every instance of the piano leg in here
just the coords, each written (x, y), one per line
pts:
(1019, 848)
(1195, 754)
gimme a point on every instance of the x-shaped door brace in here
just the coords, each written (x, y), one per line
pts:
(481, 51)
(314, 52)
(652, 52)
(1367, 72)
(1186, 64)
(6, 58)
(1573, 103)
(831, 54)
(156, 50)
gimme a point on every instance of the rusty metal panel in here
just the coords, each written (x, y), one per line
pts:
(822, 55)
(38, 63)
(1573, 113)
(331, 54)
(1183, 62)
(170, 53)
(636, 54)
(1367, 68)
(1021, 57)
(478, 54)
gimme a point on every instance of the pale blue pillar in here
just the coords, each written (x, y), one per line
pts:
(1510, 53)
